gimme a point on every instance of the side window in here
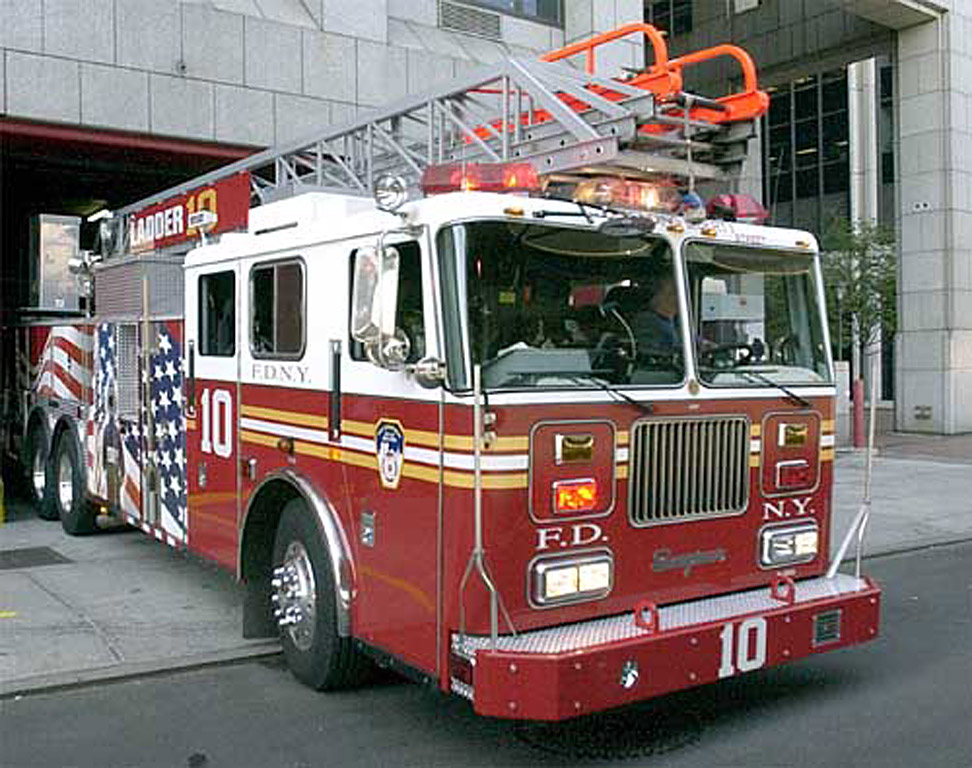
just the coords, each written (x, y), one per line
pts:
(277, 317)
(409, 317)
(217, 314)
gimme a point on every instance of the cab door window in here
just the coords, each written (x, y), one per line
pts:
(217, 314)
(278, 310)
(409, 315)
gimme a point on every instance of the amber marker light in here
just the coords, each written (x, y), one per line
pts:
(572, 496)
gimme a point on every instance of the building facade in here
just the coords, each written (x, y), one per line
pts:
(104, 101)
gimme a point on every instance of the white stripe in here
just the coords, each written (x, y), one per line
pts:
(429, 456)
(754, 446)
(285, 430)
(827, 441)
(621, 455)
(83, 340)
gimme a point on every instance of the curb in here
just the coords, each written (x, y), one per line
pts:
(36, 684)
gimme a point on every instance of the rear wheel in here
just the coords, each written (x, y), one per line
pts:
(36, 456)
(304, 607)
(66, 487)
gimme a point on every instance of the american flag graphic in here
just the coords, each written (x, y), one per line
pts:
(113, 430)
(63, 367)
(169, 423)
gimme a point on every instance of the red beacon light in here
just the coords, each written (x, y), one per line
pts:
(480, 177)
(742, 208)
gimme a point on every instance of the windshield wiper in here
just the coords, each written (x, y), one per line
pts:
(645, 408)
(793, 396)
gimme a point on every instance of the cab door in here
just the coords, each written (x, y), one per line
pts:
(213, 310)
(390, 430)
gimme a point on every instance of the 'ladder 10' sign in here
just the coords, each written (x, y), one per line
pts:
(167, 223)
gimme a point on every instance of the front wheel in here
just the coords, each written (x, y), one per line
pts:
(65, 487)
(304, 607)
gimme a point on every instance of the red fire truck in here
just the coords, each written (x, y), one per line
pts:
(478, 386)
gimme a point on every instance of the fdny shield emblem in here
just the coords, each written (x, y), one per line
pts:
(390, 447)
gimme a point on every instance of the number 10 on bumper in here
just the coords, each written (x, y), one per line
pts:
(743, 649)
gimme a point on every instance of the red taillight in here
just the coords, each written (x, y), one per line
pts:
(575, 495)
(480, 177)
(792, 475)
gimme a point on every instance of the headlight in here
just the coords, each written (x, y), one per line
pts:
(570, 580)
(789, 545)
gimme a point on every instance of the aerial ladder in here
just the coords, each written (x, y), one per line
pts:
(563, 118)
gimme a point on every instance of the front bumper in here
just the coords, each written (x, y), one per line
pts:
(575, 669)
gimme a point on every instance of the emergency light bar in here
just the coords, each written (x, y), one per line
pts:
(480, 177)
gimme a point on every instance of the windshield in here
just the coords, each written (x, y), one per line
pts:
(756, 316)
(553, 306)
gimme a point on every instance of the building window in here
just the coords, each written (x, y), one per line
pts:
(217, 314)
(673, 16)
(277, 310)
(547, 11)
(806, 160)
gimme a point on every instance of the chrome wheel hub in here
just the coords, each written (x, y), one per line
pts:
(294, 596)
(38, 476)
(65, 482)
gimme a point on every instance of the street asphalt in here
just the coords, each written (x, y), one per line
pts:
(902, 701)
(78, 610)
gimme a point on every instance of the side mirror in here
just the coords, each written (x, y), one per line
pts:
(429, 372)
(374, 304)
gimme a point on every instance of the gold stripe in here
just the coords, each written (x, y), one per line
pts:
(258, 439)
(754, 460)
(755, 430)
(213, 497)
(827, 454)
(827, 427)
(461, 442)
(8, 614)
(191, 424)
(291, 417)
(451, 478)
(622, 471)
(623, 437)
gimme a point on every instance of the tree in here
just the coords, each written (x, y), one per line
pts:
(860, 272)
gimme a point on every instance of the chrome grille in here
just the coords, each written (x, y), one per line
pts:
(686, 469)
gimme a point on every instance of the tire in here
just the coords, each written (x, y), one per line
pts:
(36, 456)
(65, 487)
(304, 607)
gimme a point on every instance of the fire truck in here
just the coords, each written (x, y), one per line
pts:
(478, 386)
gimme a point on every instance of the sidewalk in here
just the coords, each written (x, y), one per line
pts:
(108, 606)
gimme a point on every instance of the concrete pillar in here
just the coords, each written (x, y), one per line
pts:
(862, 117)
(935, 224)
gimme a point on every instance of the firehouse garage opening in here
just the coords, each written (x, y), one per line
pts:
(73, 172)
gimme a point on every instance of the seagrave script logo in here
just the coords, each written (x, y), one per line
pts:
(663, 560)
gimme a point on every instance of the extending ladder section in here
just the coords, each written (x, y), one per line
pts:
(562, 118)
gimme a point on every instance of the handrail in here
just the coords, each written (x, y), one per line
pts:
(750, 102)
(652, 33)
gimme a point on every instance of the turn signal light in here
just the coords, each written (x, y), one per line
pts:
(480, 177)
(793, 475)
(572, 496)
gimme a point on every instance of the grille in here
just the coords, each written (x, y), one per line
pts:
(126, 342)
(118, 286)
(472, 21)
(687, 469)
(826, 627)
